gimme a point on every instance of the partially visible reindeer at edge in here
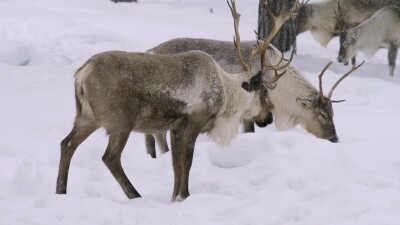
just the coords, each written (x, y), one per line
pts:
(382, 29)
(321, 20)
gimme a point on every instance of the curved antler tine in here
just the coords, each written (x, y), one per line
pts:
(344, 76)
(339, 9)
(281, 67)
(275, 78)
(236, 38)
(337, 101)
(290, 59)
(270, 86)
(339, 18)
(320, 78)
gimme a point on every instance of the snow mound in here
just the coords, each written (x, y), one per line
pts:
(14, 53)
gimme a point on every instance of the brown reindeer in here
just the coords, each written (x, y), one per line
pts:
(186, 93)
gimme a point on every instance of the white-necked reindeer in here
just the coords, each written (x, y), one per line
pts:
(186, 93)
(382, 29)
(293, 102)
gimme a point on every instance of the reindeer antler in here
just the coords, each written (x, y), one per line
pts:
(277, 22)
(236, 38)
(354, 68)
(339, 18)
(320, 78)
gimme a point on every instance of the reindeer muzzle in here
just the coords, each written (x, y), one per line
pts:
(334, 139)
(340, 59)
(268, 120)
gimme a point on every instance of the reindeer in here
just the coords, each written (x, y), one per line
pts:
(382, 29)
(186, 93)
(319, 18)
(293, 102)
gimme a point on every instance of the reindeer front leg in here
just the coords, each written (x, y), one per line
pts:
(150, 145)
(248, 126)
(182, 142)
(392, 55)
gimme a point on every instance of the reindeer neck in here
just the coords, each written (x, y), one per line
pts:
(238, 105)
(237, 99)
(285, 108)
(371, 31)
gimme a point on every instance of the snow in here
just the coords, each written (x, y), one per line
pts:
(14, 53)
(267, 177)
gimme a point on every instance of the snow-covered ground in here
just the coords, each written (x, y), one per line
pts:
(269, 177)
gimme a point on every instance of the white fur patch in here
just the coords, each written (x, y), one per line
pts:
(80, 79)
(224, 130)
(369, 51)
(191, 95)
(284, 121)
(322, 36)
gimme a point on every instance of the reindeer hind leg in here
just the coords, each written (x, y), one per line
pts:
(82, 129)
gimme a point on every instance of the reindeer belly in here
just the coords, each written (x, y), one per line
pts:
(159, 115)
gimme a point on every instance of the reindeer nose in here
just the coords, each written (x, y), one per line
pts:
(263, 123)
(334, 139)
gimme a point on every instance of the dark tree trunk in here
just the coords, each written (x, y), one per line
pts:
(116, 1)
(286, 37)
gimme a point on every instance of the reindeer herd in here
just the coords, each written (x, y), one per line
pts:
(190, 86)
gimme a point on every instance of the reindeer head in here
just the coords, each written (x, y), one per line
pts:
(260, 83)
(348, 40)
(319, 117)
(347, 37)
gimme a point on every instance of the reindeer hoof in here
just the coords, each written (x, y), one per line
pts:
(179, 198)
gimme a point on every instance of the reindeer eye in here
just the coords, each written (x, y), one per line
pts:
(323, 116)
(345, 44)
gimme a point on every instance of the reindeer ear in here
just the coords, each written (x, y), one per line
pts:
(306, 103)
(337, 101)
